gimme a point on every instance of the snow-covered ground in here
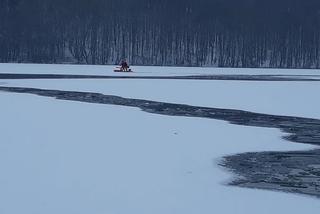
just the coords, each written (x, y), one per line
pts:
(76, 158)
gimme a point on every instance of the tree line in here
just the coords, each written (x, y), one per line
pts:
(225, 33)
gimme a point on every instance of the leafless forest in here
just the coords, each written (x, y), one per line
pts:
(226, 33)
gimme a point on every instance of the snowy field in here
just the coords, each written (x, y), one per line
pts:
(76, 158)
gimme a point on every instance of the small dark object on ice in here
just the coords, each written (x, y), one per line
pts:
(119, 69)
(124, 67)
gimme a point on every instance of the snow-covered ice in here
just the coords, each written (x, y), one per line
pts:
(69, 157)
(279, 98)
(143, 70)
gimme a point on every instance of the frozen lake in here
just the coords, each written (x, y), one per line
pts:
(59, 156)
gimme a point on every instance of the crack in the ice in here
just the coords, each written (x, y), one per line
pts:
(241, 77)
